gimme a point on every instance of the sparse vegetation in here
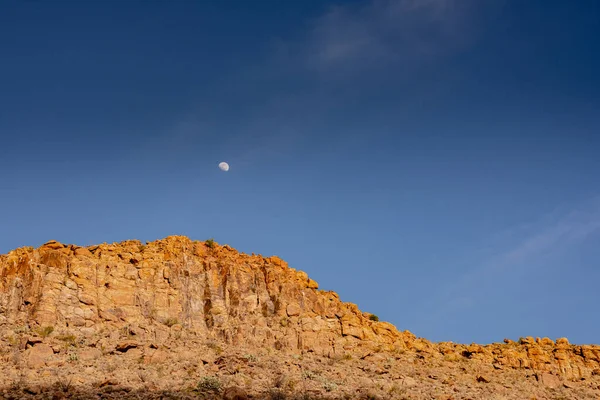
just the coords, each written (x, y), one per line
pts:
(21, 329)
(259, 358)
(171, 321)
(304, 396)
(291, 384)
(210, 243)
(280, 381)
(63, 382)
(69, 339)
(277, 394)
(209, 384)
(329, 386)
(397, 390)
(45, 331)
(307, 374)
(73, 357)
(13, 340)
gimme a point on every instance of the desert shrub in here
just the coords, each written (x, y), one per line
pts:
(374, 317)
(329, 386)
(277, 394)
(397, 390)
(63, 383)
(251, 358)
(209, 384)
(171, 321)
(210, 243)
(291, 384)
(13, 340)
(307, 374)
(45, 331)
(21, 329)
(68, 339)
(304, 396)
(280, 380)
(73, 357)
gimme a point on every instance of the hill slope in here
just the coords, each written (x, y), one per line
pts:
(136, 319)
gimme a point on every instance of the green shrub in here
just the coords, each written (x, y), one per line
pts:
(374, 317)
(209, 384)
(329, 386)
(73, 357)
(210, 243)
(45, 331)
(69, 339)
(308, 374)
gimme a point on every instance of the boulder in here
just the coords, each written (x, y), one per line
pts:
(39, 355)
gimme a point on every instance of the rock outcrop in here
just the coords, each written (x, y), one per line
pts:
(209, 291)
(138, 298)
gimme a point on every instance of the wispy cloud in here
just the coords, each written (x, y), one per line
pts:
(308, 76)
(571, 227)
(390, 32)
(527, 245)
(554, 232)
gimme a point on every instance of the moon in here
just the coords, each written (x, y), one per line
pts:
(223, 166)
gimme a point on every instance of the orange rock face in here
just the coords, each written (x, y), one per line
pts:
(214, 292)
(178, 288)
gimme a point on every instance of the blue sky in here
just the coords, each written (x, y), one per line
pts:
(434, 161)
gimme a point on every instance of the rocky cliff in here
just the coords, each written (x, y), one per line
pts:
(129, 295)
(209, 291)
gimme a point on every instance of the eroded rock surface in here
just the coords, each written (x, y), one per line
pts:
(214, 292)
(177, 301)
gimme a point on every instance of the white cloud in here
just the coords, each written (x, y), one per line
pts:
(532, 244)
(525, 246)
(554, 232)
(390, 31)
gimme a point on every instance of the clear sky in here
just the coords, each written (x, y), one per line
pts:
(436, 162)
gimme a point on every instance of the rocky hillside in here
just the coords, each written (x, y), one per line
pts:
(183, 318)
